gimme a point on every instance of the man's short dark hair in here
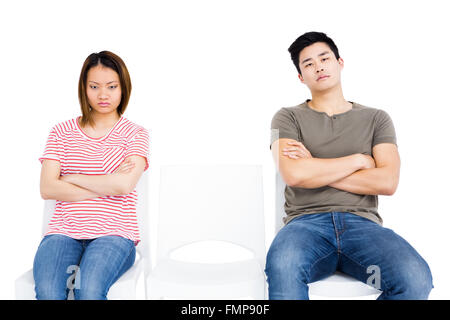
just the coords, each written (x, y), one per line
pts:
(306, 40)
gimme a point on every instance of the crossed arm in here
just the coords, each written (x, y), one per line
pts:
(77, 187)
(356, 173)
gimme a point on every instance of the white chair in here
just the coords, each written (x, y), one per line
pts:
(336, 286)
(199, 204)
(125, 287)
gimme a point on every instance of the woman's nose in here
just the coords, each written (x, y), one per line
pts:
(102, 93)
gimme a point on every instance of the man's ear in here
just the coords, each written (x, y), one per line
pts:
(341, 62)
(301, 78)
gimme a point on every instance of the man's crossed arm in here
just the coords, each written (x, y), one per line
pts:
(356, 173)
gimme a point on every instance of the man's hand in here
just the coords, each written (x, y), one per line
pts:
(296, 151)
(368, 161)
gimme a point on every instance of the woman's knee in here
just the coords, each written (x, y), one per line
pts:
(91, 291)
(48, 290)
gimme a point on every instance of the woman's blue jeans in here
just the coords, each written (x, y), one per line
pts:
(314, 246)
(89, 267)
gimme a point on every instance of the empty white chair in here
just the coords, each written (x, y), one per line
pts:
(336, 286)
(125, 287)
(222, 203)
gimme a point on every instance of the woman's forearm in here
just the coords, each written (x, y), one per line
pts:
(106, 184)
(64, 191)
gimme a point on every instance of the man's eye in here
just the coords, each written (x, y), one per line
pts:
(309, 64)
(324, 59)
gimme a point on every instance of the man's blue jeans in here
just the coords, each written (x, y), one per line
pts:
(314, 246)
(98, 264)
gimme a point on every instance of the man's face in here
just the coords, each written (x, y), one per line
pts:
(319, 66)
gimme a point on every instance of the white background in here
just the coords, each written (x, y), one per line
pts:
(207, 78)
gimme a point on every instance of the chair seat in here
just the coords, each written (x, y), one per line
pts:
(123, 288)
(180, 280)
(25, 286)
(340, 285)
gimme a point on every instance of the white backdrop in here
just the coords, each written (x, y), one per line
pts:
(207, 78)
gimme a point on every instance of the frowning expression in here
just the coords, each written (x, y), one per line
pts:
(103, 89)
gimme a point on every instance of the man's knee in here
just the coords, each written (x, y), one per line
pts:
(284, 261)
(414, 280)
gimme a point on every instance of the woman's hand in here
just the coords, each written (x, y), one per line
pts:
(125, 166)
(296, 151)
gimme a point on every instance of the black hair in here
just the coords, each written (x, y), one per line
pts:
(306, 40)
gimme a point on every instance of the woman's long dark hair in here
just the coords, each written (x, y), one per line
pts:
(109, 60)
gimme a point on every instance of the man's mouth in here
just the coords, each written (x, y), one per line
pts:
(322, 77)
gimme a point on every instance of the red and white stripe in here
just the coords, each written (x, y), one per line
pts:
(79, 153)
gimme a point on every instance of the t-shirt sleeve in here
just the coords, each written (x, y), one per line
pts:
(52, 147)
(384, 129)
(139, 146)
(284, 126)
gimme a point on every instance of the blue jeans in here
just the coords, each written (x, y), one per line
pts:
(314, 246)
(93, 264)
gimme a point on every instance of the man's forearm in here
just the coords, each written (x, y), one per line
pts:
(315, 172)
(375, 181)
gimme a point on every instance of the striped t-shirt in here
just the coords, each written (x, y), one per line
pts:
(80, 154)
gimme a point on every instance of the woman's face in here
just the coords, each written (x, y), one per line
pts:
(103, 89)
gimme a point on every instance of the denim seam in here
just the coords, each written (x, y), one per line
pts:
(336, 234)
(343, 223)
(315, 262)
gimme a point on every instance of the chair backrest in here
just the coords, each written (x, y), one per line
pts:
(142, 212)
(280, 187)
(211, 203)
(49, 209)
(143, 248)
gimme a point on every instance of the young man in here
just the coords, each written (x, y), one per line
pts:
(336, 156)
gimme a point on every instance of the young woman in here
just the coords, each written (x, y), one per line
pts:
(90, 166)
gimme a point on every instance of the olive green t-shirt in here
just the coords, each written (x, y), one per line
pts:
(357, 130)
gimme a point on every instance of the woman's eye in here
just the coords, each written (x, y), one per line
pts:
(113, 87)
(93, 87)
